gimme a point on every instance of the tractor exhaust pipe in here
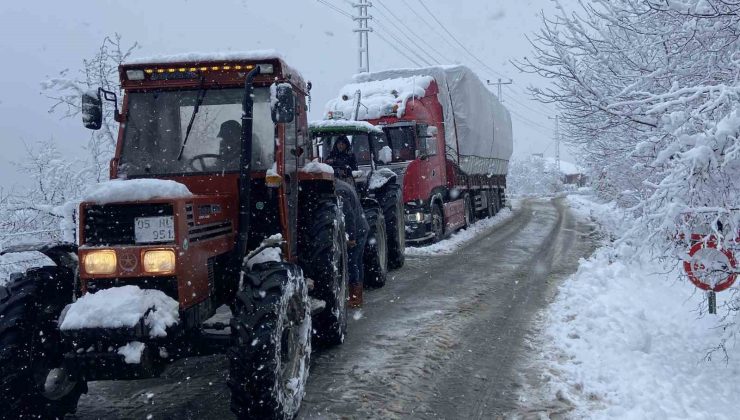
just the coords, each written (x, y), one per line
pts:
(245, 171)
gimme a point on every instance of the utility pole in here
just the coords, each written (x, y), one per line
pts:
(499, 83)
(363, 29)
(557, 140)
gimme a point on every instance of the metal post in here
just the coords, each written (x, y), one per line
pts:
(557, 141)
(363, 29)
(499, 83)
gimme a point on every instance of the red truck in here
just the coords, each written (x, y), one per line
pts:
(450, 141)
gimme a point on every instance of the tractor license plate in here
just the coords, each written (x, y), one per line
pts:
(154, 229)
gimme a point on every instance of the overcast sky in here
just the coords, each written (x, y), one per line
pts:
(38, 39)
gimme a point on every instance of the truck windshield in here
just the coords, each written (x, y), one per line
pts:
(402, 142)
(157, 121)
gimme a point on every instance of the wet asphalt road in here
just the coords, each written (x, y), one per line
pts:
(443, 339)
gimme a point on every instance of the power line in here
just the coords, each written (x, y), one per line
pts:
(527, 120)
(401, 31)
(429, 25)
(402, 43)
(406, 29)
(335, 8)
(396, 48)
(458, 42)
(542, 109)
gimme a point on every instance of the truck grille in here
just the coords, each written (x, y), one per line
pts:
(113, 224)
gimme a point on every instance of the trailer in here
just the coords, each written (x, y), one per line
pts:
(450, 138)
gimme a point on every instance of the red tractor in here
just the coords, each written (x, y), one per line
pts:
(210, 205)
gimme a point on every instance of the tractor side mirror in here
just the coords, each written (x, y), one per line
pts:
(92, 110)
(283, 102)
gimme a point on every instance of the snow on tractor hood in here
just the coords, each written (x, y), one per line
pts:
(122, 307)
(379, 97)
(135, 190)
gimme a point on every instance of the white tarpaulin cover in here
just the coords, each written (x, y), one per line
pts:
(474, 119)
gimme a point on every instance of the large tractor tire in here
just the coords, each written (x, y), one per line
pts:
(391, 201)
(32, 382)
(375, 257)
(325, 262)
(271, 331)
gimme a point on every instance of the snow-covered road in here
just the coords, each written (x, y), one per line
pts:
(443, 339)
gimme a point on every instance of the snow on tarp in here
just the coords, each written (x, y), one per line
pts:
(315, 167)
(474, 119)
(379, 96)
(122, 307)
(344, 124)
(119, 190)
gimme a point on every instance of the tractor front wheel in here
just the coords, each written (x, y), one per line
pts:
(271, 331)
(33, 383)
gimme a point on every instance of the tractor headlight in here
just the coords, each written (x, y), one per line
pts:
(100, 262)
(159, 261)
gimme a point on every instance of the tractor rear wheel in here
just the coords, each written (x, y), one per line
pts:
(391, 201)
(375, 259)
(32, 381)
(271, 331)
(326, 264)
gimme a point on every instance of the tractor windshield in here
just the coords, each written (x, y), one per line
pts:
(360, 145)
(157, 122)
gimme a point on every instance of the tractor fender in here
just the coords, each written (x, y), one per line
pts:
(64, 254)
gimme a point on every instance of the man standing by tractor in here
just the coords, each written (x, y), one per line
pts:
(357, 229)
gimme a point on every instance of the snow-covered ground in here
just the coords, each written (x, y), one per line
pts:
(461, 237)
(629, 338)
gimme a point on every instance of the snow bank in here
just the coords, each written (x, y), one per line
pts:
(122, 307)
(363, 126)
(461, 238)
(624, 340)
(135, 190)
(379, 97)
(315, 167)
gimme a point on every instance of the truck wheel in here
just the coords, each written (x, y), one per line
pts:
(32, 381)
(326, 264)
(492, 202)
(395, 226)
(469, 213)
(376, 251)
(271, 332)
(438, 222)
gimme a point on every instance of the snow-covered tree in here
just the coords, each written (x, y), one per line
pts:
(649, 92)
(533, 175)
(46, 207)
(101, 70)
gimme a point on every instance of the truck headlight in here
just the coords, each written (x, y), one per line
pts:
(159, 261)
(100, 262)
(415, 217)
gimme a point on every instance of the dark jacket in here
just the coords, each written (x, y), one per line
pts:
(354, 217)
(342, 160)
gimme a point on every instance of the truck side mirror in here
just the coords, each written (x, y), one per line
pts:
(92, 110)
(283, 102)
